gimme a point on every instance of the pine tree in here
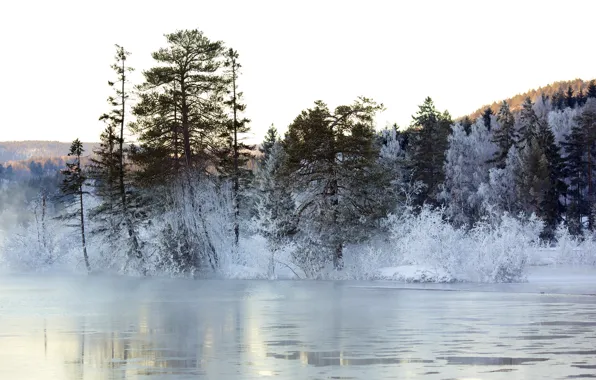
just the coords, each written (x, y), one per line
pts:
(487, 118)
(111, 159)
(429, 132)
(505, 136)
(331, 160)
(104, 171)
(72, 189)
(181, 118)
(238, 126)
(591, 89)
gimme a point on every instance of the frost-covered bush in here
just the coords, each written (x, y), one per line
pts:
(37, 247)
(573, 250)
(489, 252)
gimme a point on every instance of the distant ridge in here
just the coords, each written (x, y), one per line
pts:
(515, 102)
(25, 150)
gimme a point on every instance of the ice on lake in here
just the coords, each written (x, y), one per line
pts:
(54, 327)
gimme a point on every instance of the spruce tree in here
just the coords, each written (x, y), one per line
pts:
(570, 100)
(581, 98)
(558, 100)
(274, 203)
(575, 172)
(72, 190)
(270, 138)
(528, 124)
(551, 207)
(587, 122)
(504, 136)
(428, 143)
(487, 117)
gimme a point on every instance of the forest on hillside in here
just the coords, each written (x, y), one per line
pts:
(35, 150)
(331, 198)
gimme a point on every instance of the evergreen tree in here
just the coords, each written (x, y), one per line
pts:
(531, 178)
(487, 118)
(591, 89)
(274, 203)
(505, 136)
(528, 124)
(570, 100)
(575, 172)
(467, 124)
(558, 100)
(238, 126)
(580, 146)
(72, 189)
(551, 209)
(270, 138)
(181, 118)
(581, 98)
(331, 160)
(111, 161)
(587, 122)
(429, 132)
(104, 171)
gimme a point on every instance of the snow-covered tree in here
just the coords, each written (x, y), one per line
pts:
(504, 136)
(500, 193)
(562, 122)
(274, 204)
(466, 168)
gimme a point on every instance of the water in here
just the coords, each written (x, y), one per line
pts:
(117, 328)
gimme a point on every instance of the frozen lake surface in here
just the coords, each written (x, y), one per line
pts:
(71, 327)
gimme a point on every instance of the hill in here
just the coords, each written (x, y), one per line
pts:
(27, 150)
(550, 90)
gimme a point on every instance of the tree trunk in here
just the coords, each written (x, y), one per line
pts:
(83, 229)
(590, 190)
(185, 126)
(236, 173)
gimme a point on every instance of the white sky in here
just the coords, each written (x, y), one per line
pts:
(56, 54)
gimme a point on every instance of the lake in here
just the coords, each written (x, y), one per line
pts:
(78, 327)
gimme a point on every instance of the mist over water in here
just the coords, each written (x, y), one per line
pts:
(115, 327)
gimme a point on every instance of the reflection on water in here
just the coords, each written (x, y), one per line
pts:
(119, 328)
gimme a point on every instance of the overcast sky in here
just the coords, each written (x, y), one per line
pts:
(56, 54)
